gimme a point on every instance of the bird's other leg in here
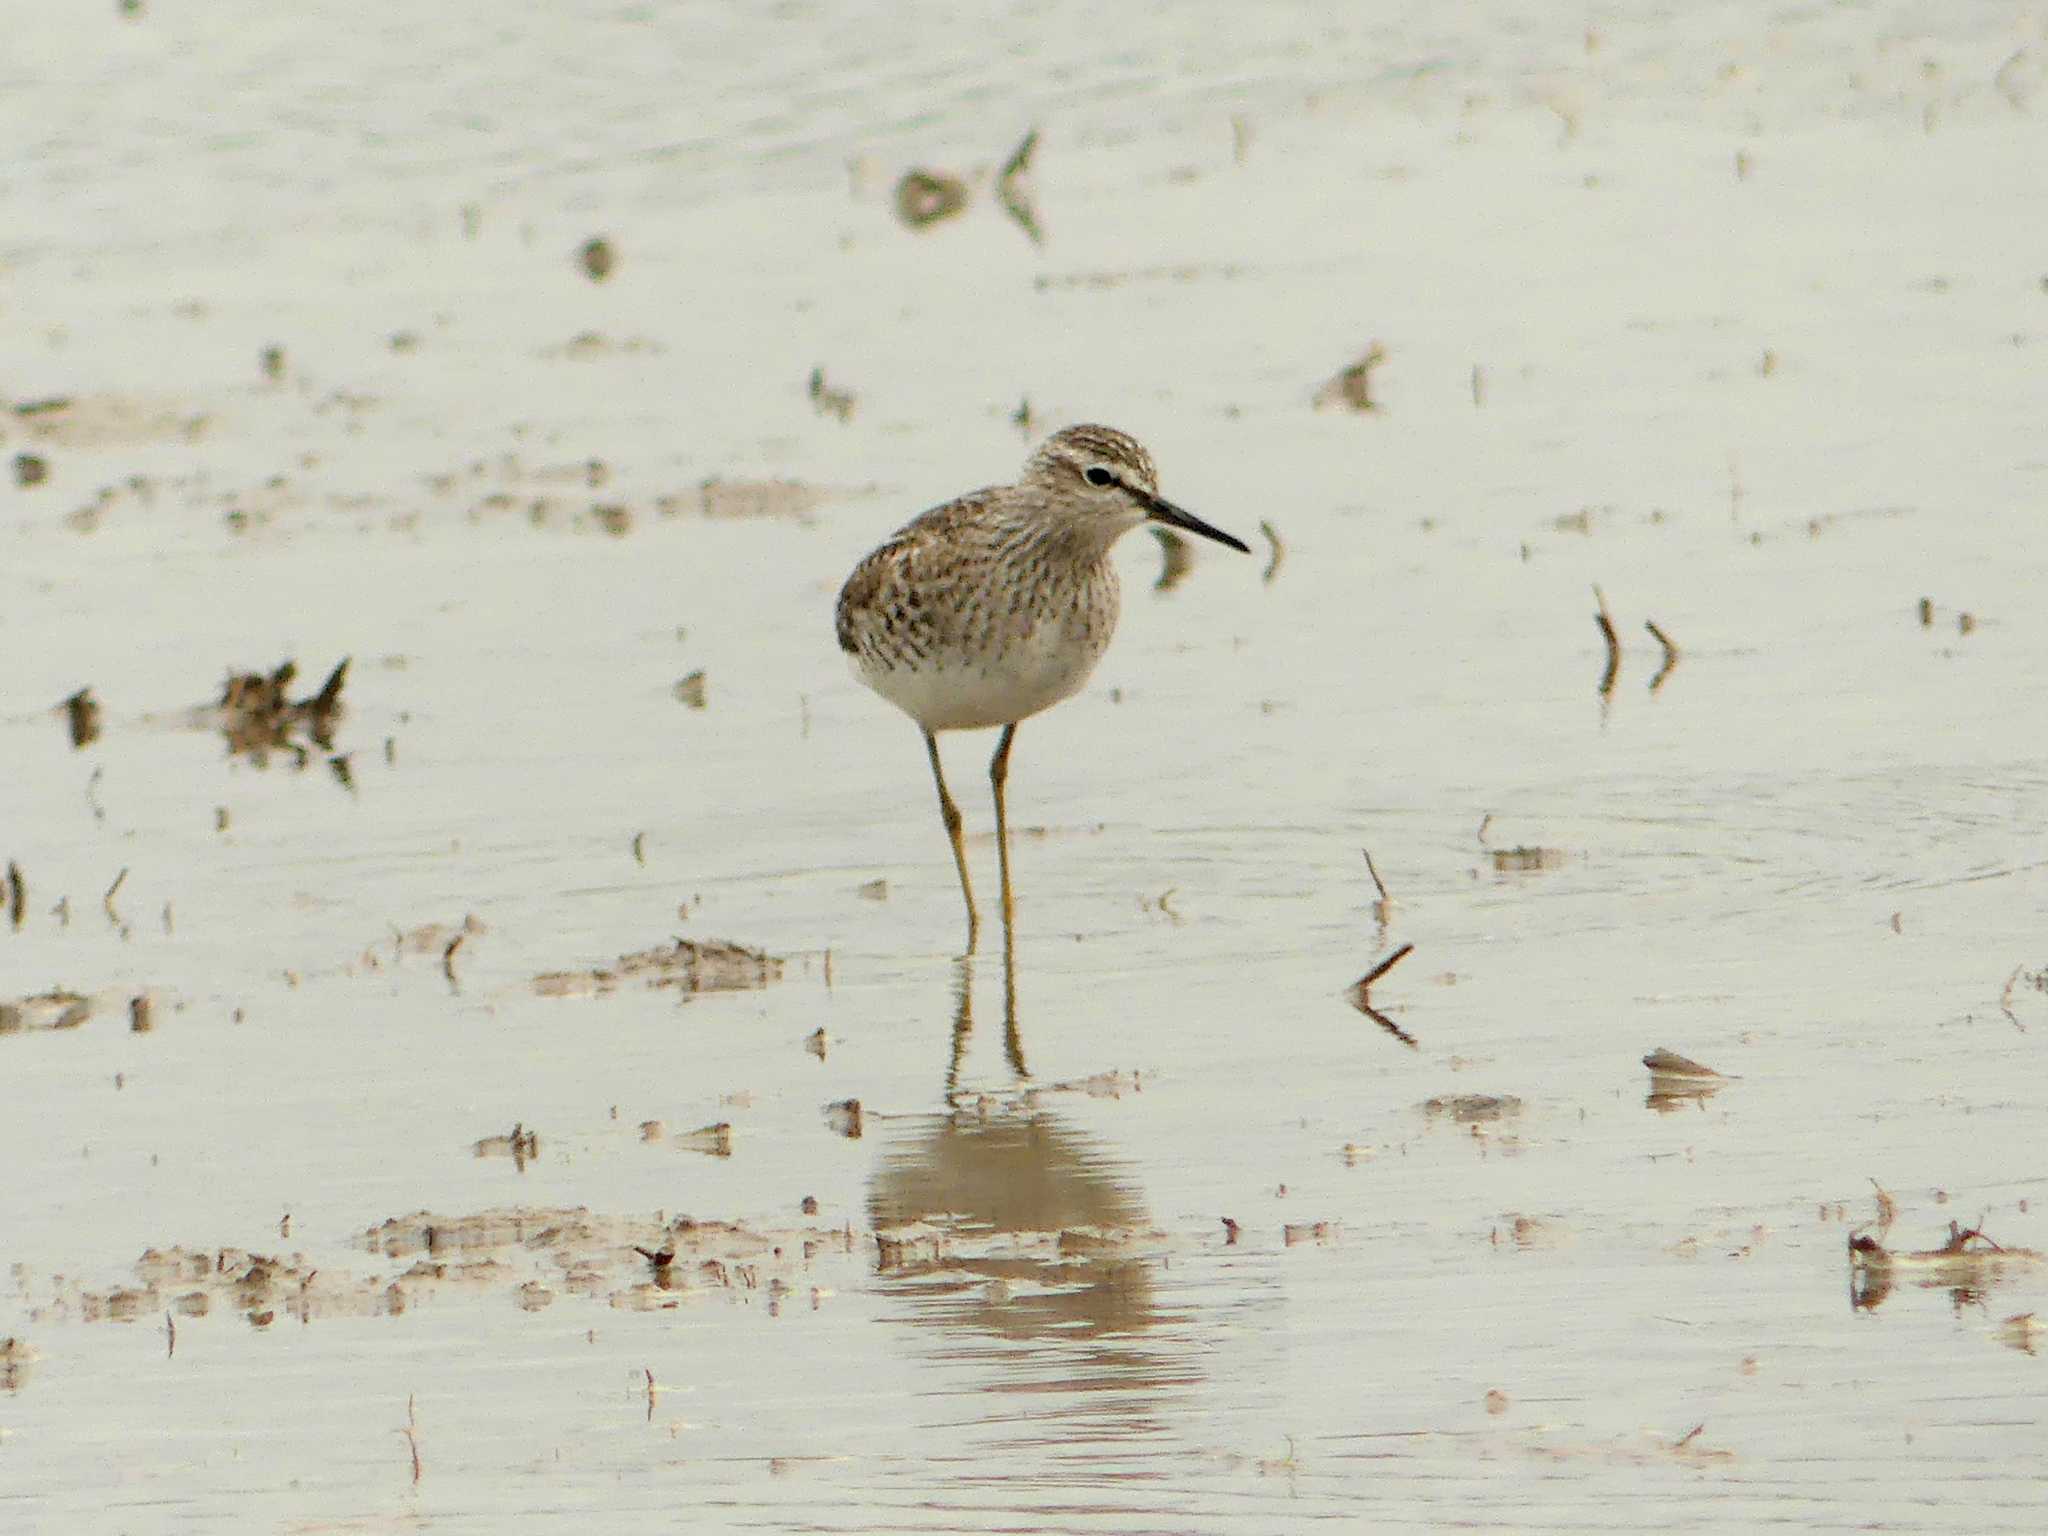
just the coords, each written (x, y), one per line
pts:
(949, 813)
(998, 776)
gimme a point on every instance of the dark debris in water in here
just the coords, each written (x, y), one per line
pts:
(1966, 1265)
(925, 198)
(1351, 387)
(846, 1118)
(1677, 1081)
(597, 258)
(519, 1144)
(827, 400)
(2020, 1332)
(258, 716)
(1671, 1064)
(710, 1140)
(15, 1360)
(82, 718)
(1524, 860)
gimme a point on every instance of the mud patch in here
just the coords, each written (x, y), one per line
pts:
(107, 421)
(747, 499)
(688, 965)
(56, 1009)
(1473, 1108)
(520, 1256)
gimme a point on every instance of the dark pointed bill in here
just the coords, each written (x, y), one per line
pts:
(1160, 510)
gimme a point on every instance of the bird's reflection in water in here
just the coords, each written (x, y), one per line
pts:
(1000, 1220)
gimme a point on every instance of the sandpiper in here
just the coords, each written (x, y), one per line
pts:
(984, 611)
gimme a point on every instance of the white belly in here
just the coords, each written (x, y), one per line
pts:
(952, 693)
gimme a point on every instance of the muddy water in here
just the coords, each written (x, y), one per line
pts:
(442, 1188)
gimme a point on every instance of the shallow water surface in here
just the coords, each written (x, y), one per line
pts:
(538, 1086)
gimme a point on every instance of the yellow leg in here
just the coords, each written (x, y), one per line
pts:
(998, 776)
(950, 814)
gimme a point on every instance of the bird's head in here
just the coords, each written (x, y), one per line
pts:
(1106, 477)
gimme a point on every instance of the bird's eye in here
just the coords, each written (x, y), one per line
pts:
(1097, 475)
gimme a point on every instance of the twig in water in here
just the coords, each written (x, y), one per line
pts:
(1371, 869)
(1177, 562)
(1671, 653)
(448, 960)
(1013, 189)
(1365, 982)
(650, 1393)
(1385, 904)
(412, 1439)
(107, 901)
(1361, 996)
(1279, 552)
(2005, 998)
(1960, 1237)
(17, 894)
(1613, 645)
(171, 1336)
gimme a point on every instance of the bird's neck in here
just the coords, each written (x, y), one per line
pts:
(1072, 542)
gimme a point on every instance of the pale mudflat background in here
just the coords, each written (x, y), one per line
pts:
(1756, 303)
